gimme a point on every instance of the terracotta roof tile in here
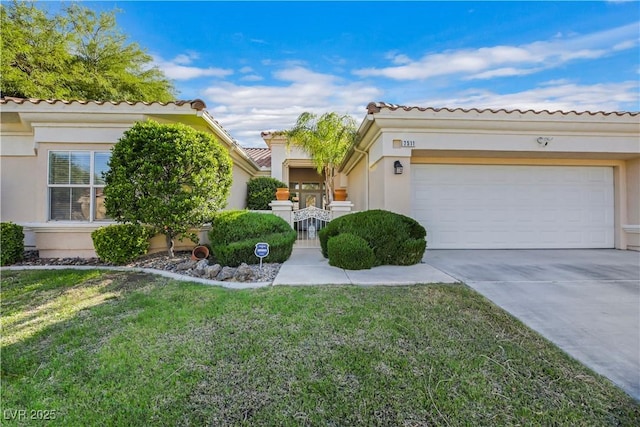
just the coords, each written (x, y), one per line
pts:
(262, 156)
(196, 104)
(376, 107)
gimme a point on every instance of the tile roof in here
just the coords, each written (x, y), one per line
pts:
(376, 107)
(196, 104)
(262, 156)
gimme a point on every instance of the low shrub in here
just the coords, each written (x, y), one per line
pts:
(234, 235)
(11, 243)
(261, 191)
(350, 252)
(395, 239)
(121, 243)
(234, 254)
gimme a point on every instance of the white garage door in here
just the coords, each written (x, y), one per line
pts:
(500, 207)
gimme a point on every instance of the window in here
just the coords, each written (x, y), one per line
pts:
(76, 185)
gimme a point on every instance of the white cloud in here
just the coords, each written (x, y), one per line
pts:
(185, 58)
(553, 95)
(178, 68)
(486, 62)
(245, 111)
(246, 69)
(502, 72)
(251, 78)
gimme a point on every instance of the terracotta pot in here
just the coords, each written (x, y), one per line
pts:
(282, 194)
(199, 253)
(340, 194)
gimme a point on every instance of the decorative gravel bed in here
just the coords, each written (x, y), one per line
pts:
(181, 263)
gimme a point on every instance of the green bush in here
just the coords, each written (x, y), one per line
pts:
(168, 175)
(350, 252)
(395, 239)
(11, 243)
(121, 243)
(261, 191)
(234, 235)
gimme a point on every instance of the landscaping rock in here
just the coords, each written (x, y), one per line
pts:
(226, 273)
(244, 273)
(200, 269)
(181, 263)
(212, 271)
(187, 265)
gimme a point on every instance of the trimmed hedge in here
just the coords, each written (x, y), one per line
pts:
(350, 252)
(395, 239)
(121, 243)
(234, 235)
(11, 243)
(261, 191)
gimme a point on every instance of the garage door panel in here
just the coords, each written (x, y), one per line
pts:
(498, 206)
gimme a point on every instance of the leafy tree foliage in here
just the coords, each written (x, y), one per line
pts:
(169, 176)
(76, 54)
(326, 139)
(261, 191)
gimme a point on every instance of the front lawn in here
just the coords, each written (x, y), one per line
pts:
(124, 349)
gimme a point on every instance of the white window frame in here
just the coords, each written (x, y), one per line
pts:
(92, 186)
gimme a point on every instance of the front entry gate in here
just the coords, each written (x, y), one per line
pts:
(307, 222)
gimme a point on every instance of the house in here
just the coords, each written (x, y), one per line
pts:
(40, 138)
(502, 179)
(473, 178)
(293, 166)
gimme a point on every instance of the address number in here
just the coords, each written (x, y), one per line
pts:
(408, 143)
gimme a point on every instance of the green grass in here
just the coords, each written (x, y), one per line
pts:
(124, 349)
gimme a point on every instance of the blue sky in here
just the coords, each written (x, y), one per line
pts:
(258, 65)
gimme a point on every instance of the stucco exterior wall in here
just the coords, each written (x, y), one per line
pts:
(632, 226)
(18, 184)
(238, 195)
(377, 186)
(278, 156)
(397, 187)
(357, 186)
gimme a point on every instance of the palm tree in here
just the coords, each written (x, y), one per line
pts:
(326, 139)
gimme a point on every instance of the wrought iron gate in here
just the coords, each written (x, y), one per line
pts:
(308, 221)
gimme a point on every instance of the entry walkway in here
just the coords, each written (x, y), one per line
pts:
(307, 266)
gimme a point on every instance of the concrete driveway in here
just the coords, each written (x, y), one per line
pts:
(585, 301)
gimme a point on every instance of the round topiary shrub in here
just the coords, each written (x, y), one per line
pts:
(121, 243)
(234, 235)
(395, 239)
(11, 243)
(261, 191)
(350, 252)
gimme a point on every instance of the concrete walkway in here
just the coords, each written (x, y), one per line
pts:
(307, 266)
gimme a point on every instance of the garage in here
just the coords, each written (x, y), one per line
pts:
(514, 207)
